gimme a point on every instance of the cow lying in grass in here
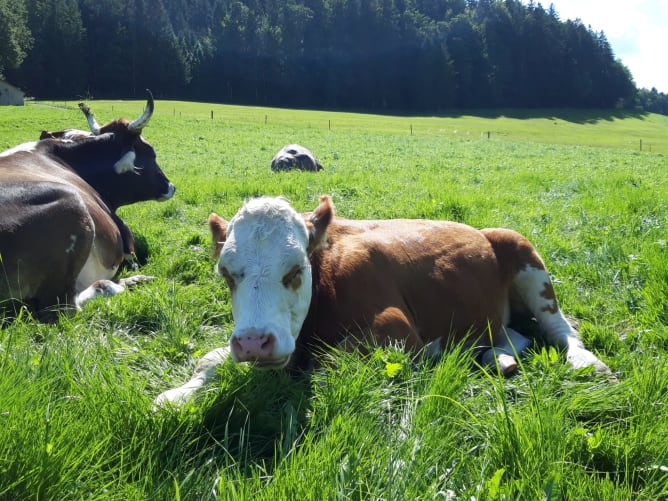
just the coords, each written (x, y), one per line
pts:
(295, 156)
(300, 283)
(61, 241)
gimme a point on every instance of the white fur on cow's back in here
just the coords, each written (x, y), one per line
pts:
(27, 147)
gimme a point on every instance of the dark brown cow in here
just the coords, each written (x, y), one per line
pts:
(299, 283)
(295, 156)
(60, 238)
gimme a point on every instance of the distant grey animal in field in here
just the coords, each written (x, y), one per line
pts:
(295, 156)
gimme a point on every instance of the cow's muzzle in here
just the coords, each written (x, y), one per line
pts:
(258, 347)
(171, 189)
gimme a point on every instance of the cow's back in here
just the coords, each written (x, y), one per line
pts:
(443, 277)
(46, 234)
(33, 167)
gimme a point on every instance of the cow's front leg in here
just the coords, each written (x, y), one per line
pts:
(394, 325)
(109, 288)
(204, 372)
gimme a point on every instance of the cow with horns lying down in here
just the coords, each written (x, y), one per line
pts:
(299, 283)
(60, 238)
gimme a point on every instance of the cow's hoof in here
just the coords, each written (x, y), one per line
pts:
(507, 364)
(107, 288)
(131, 282)
(496, 358)
(581, 358)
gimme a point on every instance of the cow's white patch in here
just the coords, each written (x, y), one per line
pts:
(72, 247)
(534, 287)
(27, 147)
(126, 163)
(94, 269)
(171, 189)
(71, 134)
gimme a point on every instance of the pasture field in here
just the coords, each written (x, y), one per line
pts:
(76, 418)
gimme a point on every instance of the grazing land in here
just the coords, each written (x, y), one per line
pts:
(76, 418)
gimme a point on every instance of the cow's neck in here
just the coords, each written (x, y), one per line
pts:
(93, 160)
(312, 337)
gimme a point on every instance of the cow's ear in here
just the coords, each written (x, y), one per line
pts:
(218, 227)
(318, 222)
(126, 163)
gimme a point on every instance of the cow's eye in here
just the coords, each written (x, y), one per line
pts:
(228, 278)
(293, 279)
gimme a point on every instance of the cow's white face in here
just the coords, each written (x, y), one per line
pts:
(265, 263)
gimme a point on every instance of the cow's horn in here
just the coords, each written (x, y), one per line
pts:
(92, 123)
(141, 122)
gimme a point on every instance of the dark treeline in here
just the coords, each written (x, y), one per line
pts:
(402, 55)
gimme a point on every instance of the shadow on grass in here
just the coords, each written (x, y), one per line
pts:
(573, 115)
(568, 115)
(257, 416)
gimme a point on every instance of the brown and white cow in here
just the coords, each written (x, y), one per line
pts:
(303, 282)
(60, 238)
(295, 156)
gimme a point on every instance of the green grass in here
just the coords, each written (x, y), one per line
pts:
(76, 396)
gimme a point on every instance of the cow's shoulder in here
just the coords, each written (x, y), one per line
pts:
(33, 164)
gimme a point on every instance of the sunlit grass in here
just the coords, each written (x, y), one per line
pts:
(76, 396)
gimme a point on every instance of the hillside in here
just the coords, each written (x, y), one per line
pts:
(380, 55)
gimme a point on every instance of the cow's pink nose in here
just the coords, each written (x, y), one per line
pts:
(253, 346)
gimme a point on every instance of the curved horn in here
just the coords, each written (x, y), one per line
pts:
(92, 123)
(140, 123)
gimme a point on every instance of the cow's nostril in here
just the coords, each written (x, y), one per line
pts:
(253, 346)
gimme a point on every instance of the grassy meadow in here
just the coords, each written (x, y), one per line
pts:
(76, 418)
